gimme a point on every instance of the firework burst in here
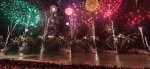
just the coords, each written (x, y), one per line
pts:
(91, 5)
(21, 11)
(137, 18)
(109, 7)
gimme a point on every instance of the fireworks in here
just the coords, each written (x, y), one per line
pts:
(109, 7)
(20, 11)
(139, 14)
(53, 8)
(138, 17)
(91, 5)
(80, 13)
(69, 11)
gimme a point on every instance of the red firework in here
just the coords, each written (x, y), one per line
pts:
(109, 7)
(137, 18)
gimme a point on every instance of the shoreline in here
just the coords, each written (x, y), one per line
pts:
(68, 65)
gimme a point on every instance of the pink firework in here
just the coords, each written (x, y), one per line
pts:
(137, 18)
(109, 7)
(69, 11)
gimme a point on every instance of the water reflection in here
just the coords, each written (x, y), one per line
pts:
(83, 58)
(96, 59)
(21, 55)
(88, 58)
(118, 62)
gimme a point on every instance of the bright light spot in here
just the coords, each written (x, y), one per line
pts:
(69, 11)
(85, 37)
(51, 36)
(40, 37)
(96, 59)
(140, 28)
(26, 30)
(52, 20)
(67, 23)
(120, 35)
(53, 8)
(21, 54)
(62, 37)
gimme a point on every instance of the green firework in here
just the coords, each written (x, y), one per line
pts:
(21, 12)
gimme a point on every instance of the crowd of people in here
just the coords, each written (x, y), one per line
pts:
(27, 64)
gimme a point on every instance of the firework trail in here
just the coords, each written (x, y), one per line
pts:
(147, 44)
(141, 31)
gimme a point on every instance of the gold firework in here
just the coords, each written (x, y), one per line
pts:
(91, 5)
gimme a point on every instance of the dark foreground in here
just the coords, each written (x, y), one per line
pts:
(27, 64)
